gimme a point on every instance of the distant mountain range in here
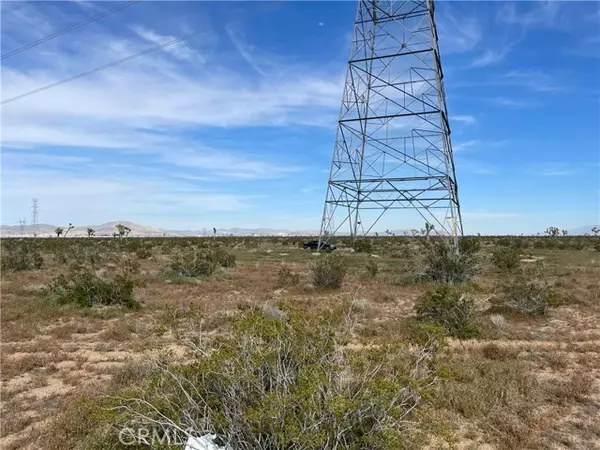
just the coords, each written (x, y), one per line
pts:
(109, 228)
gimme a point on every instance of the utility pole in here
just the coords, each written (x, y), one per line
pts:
(22, 226)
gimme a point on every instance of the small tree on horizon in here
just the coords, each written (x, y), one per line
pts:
(428, 229)
(58, 231)
(122, 230)
(69, 229)
(91, 232)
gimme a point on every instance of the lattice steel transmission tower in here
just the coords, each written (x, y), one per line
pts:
(35, 216)
(392, 150)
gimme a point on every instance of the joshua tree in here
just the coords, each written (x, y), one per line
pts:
(69, 229)
(91, 232)
(58, 231)
(428, 229)
(565, 232)
(122, 230)
(595, 230)
(552, 231)
(214, 231)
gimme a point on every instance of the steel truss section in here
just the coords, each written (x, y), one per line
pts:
(392, 149)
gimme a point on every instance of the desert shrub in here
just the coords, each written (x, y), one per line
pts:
(372, 268)
(469, 245)
(527, 294)
(441, 264)
(449, 307)
(143, 253)
(83, 288)
(329, 271)
(222, 258)
(363, 245)
(506, 258)
(17, 257)
(285, 277)
(597, 246)
(283, 384)
(192, 263)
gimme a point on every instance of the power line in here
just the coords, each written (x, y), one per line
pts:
(127, 58)
(70, 28)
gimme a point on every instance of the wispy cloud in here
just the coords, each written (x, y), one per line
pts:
(458, 32)
(464, 118)
(528, 14)
(180, 50)
(505, 102)
(554, 169)
(477, 144)
(535, 80)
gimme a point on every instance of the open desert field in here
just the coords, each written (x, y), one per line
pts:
(395, 343)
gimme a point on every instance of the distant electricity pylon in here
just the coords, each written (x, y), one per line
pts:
(22, 223)
(34, 216)
(392, 148)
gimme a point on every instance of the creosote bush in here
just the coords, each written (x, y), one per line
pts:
(328, 271)
(195, 262)
(449, 307)
(469, 245)
(441, 264)
(286, 382)
(363, 246)
(506, 258)
(81, 287)
(16, 257)
(372, 268)
(285, 277)
(527, 294)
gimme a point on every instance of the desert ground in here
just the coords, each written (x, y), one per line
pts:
(498, 348)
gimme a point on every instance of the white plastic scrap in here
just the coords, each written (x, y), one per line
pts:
(205, 442)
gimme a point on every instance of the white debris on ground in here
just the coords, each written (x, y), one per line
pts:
(205, 442)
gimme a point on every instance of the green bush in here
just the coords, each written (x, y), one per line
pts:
(17, 257)
(506, 258)
(372, 268)
(448, 307)
(285, 277)
(143, 253)
(192, 263)
(286, 384)
(363, 246)
(222, 258)
(83, 288)
(441, 264)
(329, 271)
(469, 245)
(526, 294)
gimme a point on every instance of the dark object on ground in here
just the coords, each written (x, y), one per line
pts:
(314, 245)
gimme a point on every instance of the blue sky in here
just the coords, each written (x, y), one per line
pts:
(235, 126)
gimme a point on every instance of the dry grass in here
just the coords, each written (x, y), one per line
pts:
(524, 383)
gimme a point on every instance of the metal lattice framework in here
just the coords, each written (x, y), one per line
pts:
(392, 148)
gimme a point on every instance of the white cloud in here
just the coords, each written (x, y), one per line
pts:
(465, 145)
(180, 50)
(489, 57)
(506, 102)
(456, 34)
(540, 13)
(466, 119)
(535, 80)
